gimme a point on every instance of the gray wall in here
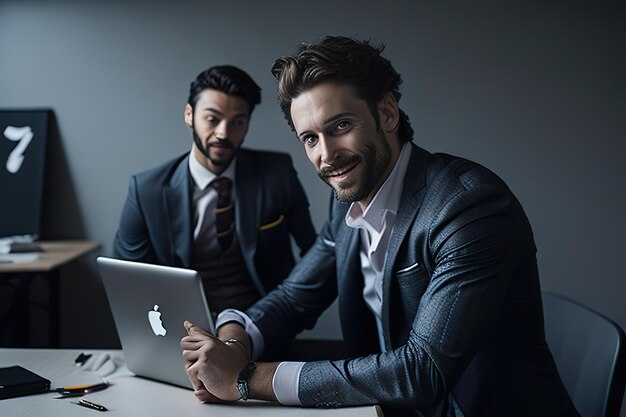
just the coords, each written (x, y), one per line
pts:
(533, 91)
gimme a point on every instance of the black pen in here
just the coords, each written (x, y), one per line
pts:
(91, 405)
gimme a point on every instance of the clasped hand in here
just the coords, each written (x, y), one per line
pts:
(211, 365)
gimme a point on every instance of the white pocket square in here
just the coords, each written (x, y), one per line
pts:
(408, 268)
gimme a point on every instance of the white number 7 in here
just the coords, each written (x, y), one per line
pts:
(22, 134)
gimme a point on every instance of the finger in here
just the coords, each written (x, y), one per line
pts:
(206, 397)
(192, 374)
(196, 337)
(192, 329)
(188, 326)
(201, 395)
(191, 355)
(191, 343)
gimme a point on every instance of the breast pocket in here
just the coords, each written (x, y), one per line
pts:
(411, 283)
(273, 256)
(412, 276)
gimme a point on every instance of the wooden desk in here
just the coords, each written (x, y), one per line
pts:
(55, 255)
(129, 395)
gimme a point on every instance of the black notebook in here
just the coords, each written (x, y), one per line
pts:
(16, 381)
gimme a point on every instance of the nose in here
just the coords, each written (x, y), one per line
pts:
(327, 150)
(221, 131)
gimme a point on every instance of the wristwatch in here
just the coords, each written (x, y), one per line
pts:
(243, 378)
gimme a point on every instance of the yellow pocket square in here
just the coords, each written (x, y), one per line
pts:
(275, 223)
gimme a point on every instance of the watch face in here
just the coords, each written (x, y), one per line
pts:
(243, 378)
(242, 388)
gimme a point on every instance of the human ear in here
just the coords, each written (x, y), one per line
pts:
(388, 112)
(188, 115)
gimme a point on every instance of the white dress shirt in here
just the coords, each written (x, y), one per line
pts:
(375, 223)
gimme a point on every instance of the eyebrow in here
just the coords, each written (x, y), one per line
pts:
(219, 113)
(337, 117)
(332, 119)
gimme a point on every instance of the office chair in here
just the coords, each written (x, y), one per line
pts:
(589, 352)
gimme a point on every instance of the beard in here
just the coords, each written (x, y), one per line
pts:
(206, 150)
(372, 163)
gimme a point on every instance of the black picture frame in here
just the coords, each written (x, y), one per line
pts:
(23, 139)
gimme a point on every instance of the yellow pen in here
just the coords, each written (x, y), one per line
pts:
(81, 389)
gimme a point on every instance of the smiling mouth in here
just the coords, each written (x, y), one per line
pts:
(343, 170)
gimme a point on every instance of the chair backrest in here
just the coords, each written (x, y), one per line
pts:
(589, 352)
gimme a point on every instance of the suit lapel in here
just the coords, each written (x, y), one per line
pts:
(247, 210)
(410, 202)
(358, 323)
(348, 242)
(177, 198)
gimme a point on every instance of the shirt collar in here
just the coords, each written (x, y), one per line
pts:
(386, 199)
(202, 177)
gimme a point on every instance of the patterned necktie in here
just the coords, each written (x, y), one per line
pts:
(224, 213)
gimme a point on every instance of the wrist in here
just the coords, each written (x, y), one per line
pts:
(233, 334)
(241, 345)
(260, 384)
(243, 380)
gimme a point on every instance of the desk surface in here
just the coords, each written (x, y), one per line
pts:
(54, 255)
(129, 395)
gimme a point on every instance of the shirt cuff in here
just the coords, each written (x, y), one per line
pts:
(286, 381)
(256, 338)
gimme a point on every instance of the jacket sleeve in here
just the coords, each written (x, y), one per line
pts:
(301, 298)
(299, 218)
(470, 244)
(131, 241)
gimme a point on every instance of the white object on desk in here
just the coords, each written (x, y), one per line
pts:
(20, 258)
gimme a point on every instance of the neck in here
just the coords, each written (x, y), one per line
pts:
(396, 147)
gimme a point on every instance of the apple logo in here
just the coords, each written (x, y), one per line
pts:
(154, 317)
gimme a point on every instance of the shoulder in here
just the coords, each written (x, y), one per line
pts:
(443, 187)
(460, 192)
(449, 175)
(264, 157)
(276, 166)
(161, 173)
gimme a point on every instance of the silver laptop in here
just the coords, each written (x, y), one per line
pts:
(149, 304)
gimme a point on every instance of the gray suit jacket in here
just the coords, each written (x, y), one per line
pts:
(156, 221)
(462, 315)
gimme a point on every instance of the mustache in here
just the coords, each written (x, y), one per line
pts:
(222, 143)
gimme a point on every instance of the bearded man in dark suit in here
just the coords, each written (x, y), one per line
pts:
(431, 257)
(223, 210)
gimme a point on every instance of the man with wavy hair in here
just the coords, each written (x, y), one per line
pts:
(431, 257)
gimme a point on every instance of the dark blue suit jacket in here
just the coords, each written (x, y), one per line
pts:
(270, 204)
(461, 310)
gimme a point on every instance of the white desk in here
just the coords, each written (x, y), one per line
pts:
(130, 395)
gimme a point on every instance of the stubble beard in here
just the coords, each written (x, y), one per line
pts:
(373, 164)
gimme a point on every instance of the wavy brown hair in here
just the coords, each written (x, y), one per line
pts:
(344, 60)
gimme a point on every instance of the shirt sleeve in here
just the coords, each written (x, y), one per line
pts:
(256, 338)
(287, 376)
(286, 381)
